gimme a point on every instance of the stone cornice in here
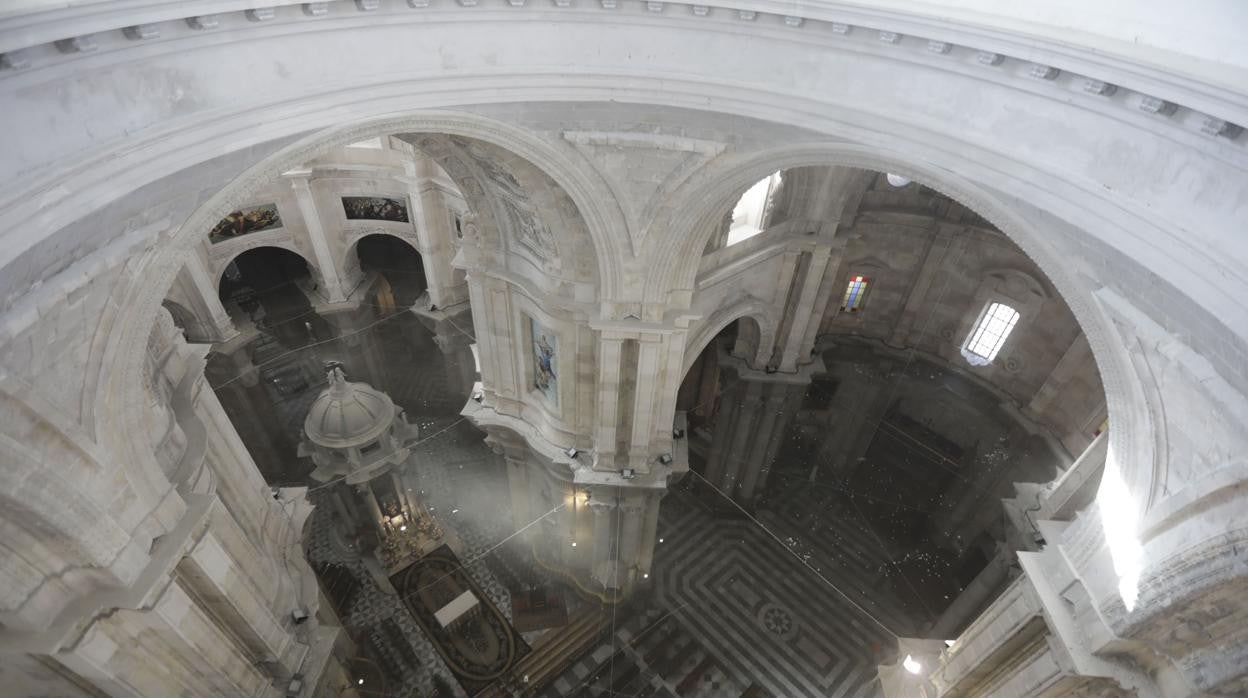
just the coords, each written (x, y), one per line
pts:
(1163, 80)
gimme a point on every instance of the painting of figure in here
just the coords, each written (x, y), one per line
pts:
(545, 359)
(244, 221)
(375, 208)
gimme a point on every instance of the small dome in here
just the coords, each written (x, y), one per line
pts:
(348, 414)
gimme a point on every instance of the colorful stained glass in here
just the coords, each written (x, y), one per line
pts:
(854, 293)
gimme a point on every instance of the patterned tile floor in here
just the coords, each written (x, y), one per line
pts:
(730, 609)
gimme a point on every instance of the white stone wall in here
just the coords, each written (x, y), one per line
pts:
(1118, 168)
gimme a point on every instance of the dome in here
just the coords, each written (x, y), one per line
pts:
(348, 414)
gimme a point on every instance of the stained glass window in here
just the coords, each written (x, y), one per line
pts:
(994, 326)
(854, 293)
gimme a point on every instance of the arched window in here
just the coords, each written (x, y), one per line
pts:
(749, 216)
(989, 334)
(855, 293)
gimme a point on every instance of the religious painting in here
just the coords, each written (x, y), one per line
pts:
(375, 208)
(545, 358)
(244, 221)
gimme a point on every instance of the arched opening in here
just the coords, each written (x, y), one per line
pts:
(267, 286)
(399, 268)
(881, 457)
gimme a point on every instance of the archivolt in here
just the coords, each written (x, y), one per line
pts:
(120, 393)
(675, 265)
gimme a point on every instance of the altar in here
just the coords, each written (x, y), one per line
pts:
(461, 608)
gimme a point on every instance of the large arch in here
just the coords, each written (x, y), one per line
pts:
(751, 309)
(1154, 175)
(1127, 398)
(140, 301)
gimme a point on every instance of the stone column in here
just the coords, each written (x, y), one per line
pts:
(196, 285)
(935, 252)
(306, 200)
(804, 306)
(754, 416)
(860, 401)
(771, 426)
(743, 429)
(603, 567)
(431, 217)
(721, 436)
(632, 514)
(365, 493)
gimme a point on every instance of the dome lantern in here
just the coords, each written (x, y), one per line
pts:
(354, 430)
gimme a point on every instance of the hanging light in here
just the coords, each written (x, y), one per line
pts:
(897, 180)
(911, 665)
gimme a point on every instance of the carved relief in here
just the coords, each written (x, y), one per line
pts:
(529, 229)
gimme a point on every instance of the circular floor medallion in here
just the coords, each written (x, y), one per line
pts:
(778, 620)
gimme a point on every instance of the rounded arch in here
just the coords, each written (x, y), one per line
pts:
(1134, 444)
(139, 302)
(407, 283)
(752, 310)
(219, 276)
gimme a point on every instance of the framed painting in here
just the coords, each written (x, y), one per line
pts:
(246, 221)
(545, 360)
(375, 208)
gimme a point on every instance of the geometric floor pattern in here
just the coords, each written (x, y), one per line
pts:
(441, 467)
(768, 619)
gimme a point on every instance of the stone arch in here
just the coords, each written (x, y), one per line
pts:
(1133, 441)
(352, 265)
(125, 342)
(521, 210)
(313, 270)
(760, 323)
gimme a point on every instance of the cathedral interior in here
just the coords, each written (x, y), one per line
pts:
(424, 348)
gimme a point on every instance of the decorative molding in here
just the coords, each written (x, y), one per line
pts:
(1213, 126)
(203, 22)
(1099, 87)
(1042, 72)
(989, 58)
(14, 60)
(262, 14)
(77, 44)
(1206, 96)
(141, 32)
(1153, 105)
